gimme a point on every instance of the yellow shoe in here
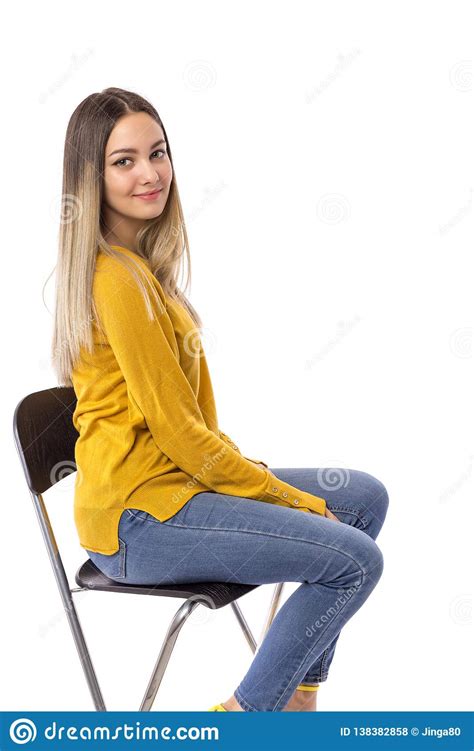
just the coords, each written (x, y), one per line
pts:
(301, 687)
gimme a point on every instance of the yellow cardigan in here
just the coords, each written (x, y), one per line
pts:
(146, 416)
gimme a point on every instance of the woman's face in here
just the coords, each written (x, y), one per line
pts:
(136, 162)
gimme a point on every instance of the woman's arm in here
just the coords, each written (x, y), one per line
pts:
(231, 443)
(161, 391)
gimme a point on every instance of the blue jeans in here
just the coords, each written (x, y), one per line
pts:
(218, 537)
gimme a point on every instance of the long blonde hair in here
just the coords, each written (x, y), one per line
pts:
(162, 241)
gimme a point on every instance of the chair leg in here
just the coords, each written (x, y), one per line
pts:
(179, 619)
(244, 626)
(275, 601)
(68, 603)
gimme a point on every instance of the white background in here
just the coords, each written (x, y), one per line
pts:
(323, 152)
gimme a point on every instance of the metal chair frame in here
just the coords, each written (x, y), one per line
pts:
(45, 438)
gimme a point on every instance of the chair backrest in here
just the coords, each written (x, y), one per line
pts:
(45, 436)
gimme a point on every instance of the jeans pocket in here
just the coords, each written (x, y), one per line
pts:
(138, 514)
(113, 566)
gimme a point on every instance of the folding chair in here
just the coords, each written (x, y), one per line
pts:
(45, 437)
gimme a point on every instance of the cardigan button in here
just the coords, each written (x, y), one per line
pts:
(296, 501)
(275, 490)
(285, 494)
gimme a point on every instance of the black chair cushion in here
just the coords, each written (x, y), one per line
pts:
(213, 594)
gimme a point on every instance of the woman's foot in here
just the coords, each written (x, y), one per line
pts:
(301, 701)
(232, 705)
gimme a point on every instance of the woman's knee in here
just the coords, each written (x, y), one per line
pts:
(375, 561)
(375, 494)
(367, 556)
(351, 558)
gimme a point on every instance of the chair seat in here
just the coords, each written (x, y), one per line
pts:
(213, 594)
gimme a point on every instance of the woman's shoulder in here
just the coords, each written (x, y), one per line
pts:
(120, 258)
(123, 262)
(121, 269)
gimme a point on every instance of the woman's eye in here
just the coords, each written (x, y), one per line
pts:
(126, 159)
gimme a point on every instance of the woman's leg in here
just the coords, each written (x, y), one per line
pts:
(356, 498)
(217, 537)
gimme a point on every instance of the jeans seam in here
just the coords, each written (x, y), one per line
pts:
(266, 534)
(123, 554)
(364, 576)
(135, 516)
(346, 510)
(248, 707)
(323, 661)
(120, 560)
(323, 665)
(322, 633)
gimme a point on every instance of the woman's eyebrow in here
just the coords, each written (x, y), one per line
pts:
(134, 151)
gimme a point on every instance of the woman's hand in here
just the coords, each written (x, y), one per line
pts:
(330, 515)
(327, 512)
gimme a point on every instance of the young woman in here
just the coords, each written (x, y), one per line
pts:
(162, 495)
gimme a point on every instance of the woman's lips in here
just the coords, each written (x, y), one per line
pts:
(150, 196)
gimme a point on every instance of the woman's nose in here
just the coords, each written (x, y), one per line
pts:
(150, 176)
(148, 172)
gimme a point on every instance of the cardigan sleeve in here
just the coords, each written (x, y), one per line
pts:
(229, 440)
(163, 394)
